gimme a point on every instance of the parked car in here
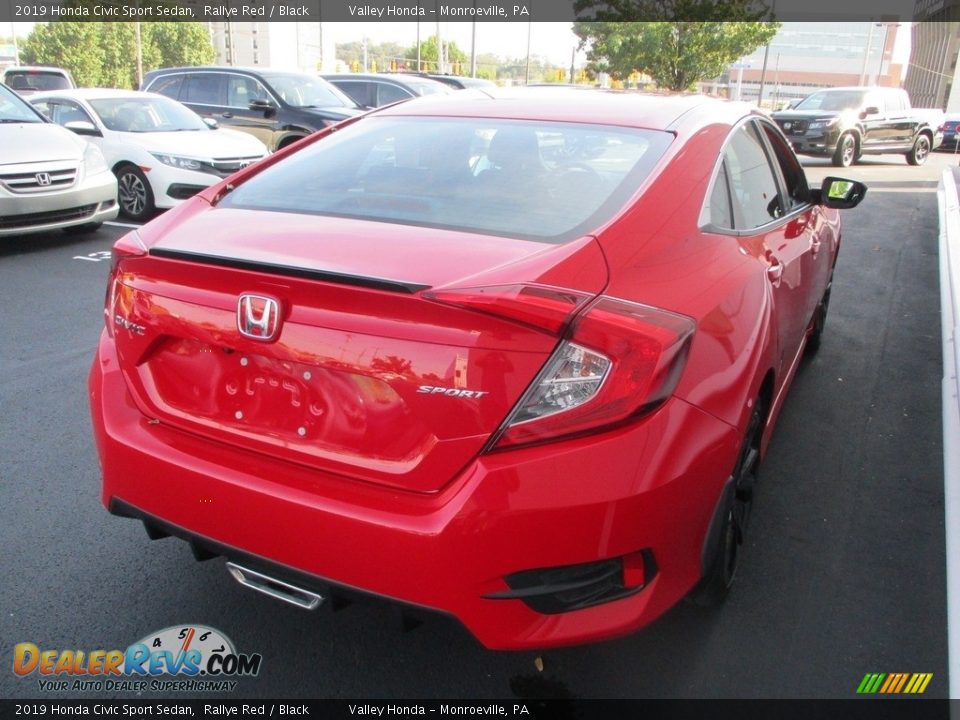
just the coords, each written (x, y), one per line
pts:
(28, 79)
(370, 90)
(49, 178)
(533, 397)
(161, 152)
(848, 122)
(276, 107)
(950, 133)
(457, 82)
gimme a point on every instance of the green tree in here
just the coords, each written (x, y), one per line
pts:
(105, 54)
(675, 54)
(430, 54)
(671, 10)
(74, 46)
(176, 44)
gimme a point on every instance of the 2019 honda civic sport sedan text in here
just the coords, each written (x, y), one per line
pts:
(505, 355)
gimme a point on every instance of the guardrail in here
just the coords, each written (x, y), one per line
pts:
(949, 204)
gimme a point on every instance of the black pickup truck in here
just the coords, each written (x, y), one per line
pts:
(845, 123)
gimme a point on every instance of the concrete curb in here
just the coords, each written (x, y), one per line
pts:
(949, 204)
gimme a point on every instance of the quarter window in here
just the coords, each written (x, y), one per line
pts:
(798, 192)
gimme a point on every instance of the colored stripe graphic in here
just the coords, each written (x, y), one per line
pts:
(894, 683)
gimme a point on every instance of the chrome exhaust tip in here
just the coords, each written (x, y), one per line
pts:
(275, 588)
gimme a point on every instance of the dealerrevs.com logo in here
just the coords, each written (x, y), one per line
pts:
(186, 658)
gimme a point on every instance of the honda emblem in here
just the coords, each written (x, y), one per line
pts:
(43, 179)
(258, 317)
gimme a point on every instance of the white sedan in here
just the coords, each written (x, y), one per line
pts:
(161, 152)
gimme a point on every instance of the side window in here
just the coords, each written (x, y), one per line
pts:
(203, 89)
(242, 90)
(360, 92)
(798, 192)
(168, 85)
(756, 198)
(66, 111)
(875, 99)
(387, 94)
(45, 108)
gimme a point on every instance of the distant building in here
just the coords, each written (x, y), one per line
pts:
(806, 56)
(281, 45)
(934, 46)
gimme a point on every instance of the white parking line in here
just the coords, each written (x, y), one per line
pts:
(120, 224)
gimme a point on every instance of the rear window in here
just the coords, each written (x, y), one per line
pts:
(36, 80)
(532, 180)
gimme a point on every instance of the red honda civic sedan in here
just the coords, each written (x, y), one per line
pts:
(513, 356)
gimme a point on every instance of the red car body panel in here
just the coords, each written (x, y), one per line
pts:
(338, 464)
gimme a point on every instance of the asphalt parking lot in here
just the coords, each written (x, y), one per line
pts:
(843, 573)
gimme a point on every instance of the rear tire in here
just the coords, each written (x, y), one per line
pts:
(920, 151)
(721, 569)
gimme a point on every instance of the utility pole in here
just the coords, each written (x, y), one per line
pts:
(573, 60)
(766, 53)
(526, 76)
(473, 46)
(866, 56)
(139, 41)
(16, 49)
(418, 46)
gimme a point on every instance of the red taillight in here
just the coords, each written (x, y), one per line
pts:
(540, 306)
(130, 245)
(619, 360)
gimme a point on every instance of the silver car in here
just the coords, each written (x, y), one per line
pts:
(50, 179)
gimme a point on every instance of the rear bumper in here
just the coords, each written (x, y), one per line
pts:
(650, 486)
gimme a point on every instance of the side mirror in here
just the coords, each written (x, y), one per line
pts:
(82, 127)
(262, 105)
(840, 193)
(868, 111)
(211, 123)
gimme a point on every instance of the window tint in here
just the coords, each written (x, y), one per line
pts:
(168, 85)
(360, 92)
(720, 210)
(533, 180)
(14, 109)
(242, 90)
(794, 178)
(390, 94)
(204, 88)
(752, 182)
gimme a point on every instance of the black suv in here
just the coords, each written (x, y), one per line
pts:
(847, 122)
(277, 107)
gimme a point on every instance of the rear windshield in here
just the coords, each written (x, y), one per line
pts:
(36, 80)
(531, 180)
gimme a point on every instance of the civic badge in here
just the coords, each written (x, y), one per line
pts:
(258, 317)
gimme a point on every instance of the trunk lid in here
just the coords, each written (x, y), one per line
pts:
(366, 378)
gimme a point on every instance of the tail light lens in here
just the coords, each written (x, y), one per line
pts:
(130, 245)
(540, 306)
(619, 360)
